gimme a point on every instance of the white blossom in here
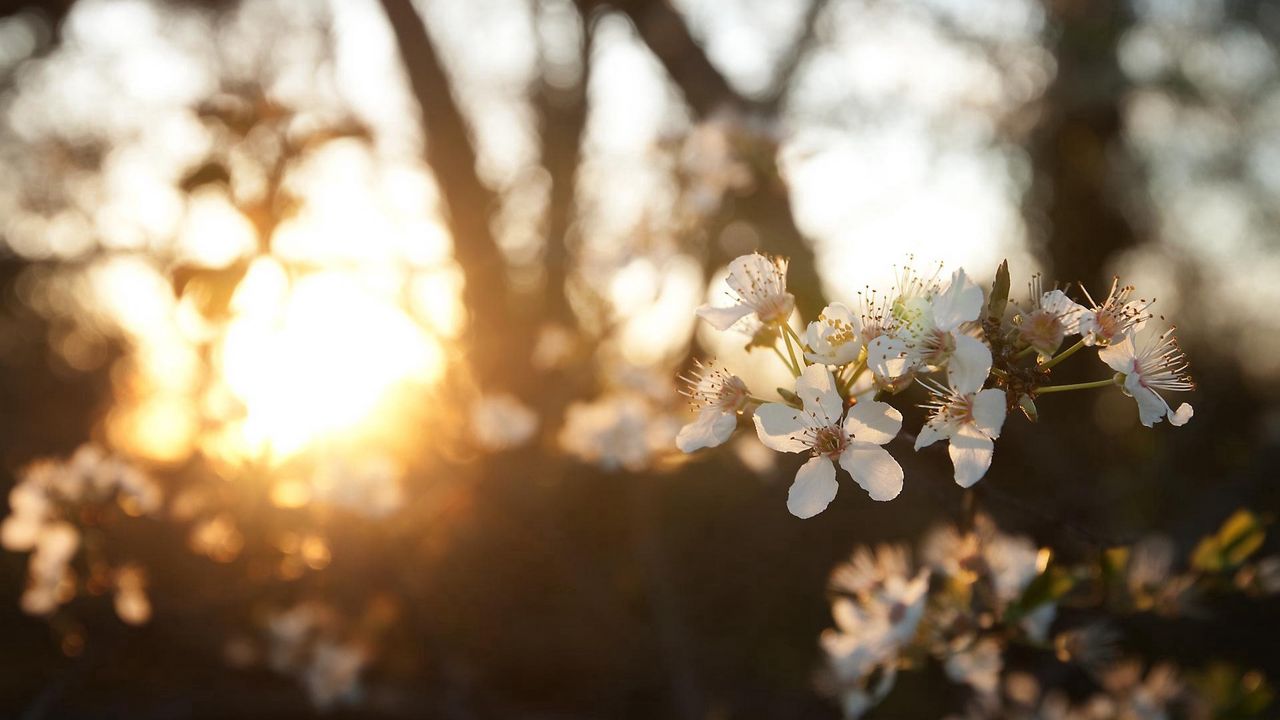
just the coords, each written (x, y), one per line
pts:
(970, 419)
(824, 429)
(835, 338)
(1114, 318)
(932, 327)
(977, 664)
(615, 431)
(1158, 365)
(502, 422)
(1050, 319)
(718, 397)
(759, 287)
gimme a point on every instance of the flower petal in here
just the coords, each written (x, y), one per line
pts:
(969, 365)
(1119, 356)
(887, 357)
(873, 422)
(754, 275)
(931, 433)
(723, 318)
(874, 469)
(1151, 407)
(989, 408)
(816, 388)
(781, 427)
(814, 489)
(971, 453)
(712, 428)
(959, 303)
(1067, 310)
(1179, 417)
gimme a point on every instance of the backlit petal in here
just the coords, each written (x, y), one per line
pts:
(814, 489)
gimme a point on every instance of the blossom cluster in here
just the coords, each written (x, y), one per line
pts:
(976, 593)
(306, 641)
(977, 354)
(45, 514)
(972, 590)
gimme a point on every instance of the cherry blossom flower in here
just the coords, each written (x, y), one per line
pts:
(1051, 318)
(1113, 319)
(1158, 365)
(978, 665)
(835, 338)
(871, 628)
(502, 422)
(719, 396)
(824, 429)
(618, 430)
(759, 287)
(970, 418)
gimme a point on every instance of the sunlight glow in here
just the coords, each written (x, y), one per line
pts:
(318, 359)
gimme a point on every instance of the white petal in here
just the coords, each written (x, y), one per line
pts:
(1067, 310)
(1119, 356)
(781, 427)
(971, 453)
(712, 428)
(753, 275)
(874, 469)
(1179, 417)
(873, 422)
(816, 388)
(969, 365)
(1151, 407)
(887, 357)
(959, 303)
(931, 433)
(989, 407)
(814, 489)
(723, 318)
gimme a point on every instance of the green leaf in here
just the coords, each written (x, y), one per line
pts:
(999, 294)
(1238, 538)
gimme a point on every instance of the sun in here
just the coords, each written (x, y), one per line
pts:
(311, 359)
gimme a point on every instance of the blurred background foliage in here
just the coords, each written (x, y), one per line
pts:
(279, 253)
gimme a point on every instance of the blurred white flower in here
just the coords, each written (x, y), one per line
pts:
(825, 430)
(615, 431)
(369, 485)
(977, 664)
(718, 397)
(759, 287)
(1158, 365)
(131, 602)
(872, 626)
(502, 422)
(333, 674)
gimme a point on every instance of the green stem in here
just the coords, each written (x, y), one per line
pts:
(847, 385)
(1024, 352)
(787, 334)
(1081, 386)
(785, 361)
(1063, 355)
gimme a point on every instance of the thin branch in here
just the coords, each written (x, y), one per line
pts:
(468, 202)
(792, 59)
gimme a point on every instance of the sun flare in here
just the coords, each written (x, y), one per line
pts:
(312, 358)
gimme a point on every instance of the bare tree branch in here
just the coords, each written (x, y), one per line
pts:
(790, 62)
(468, 202)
